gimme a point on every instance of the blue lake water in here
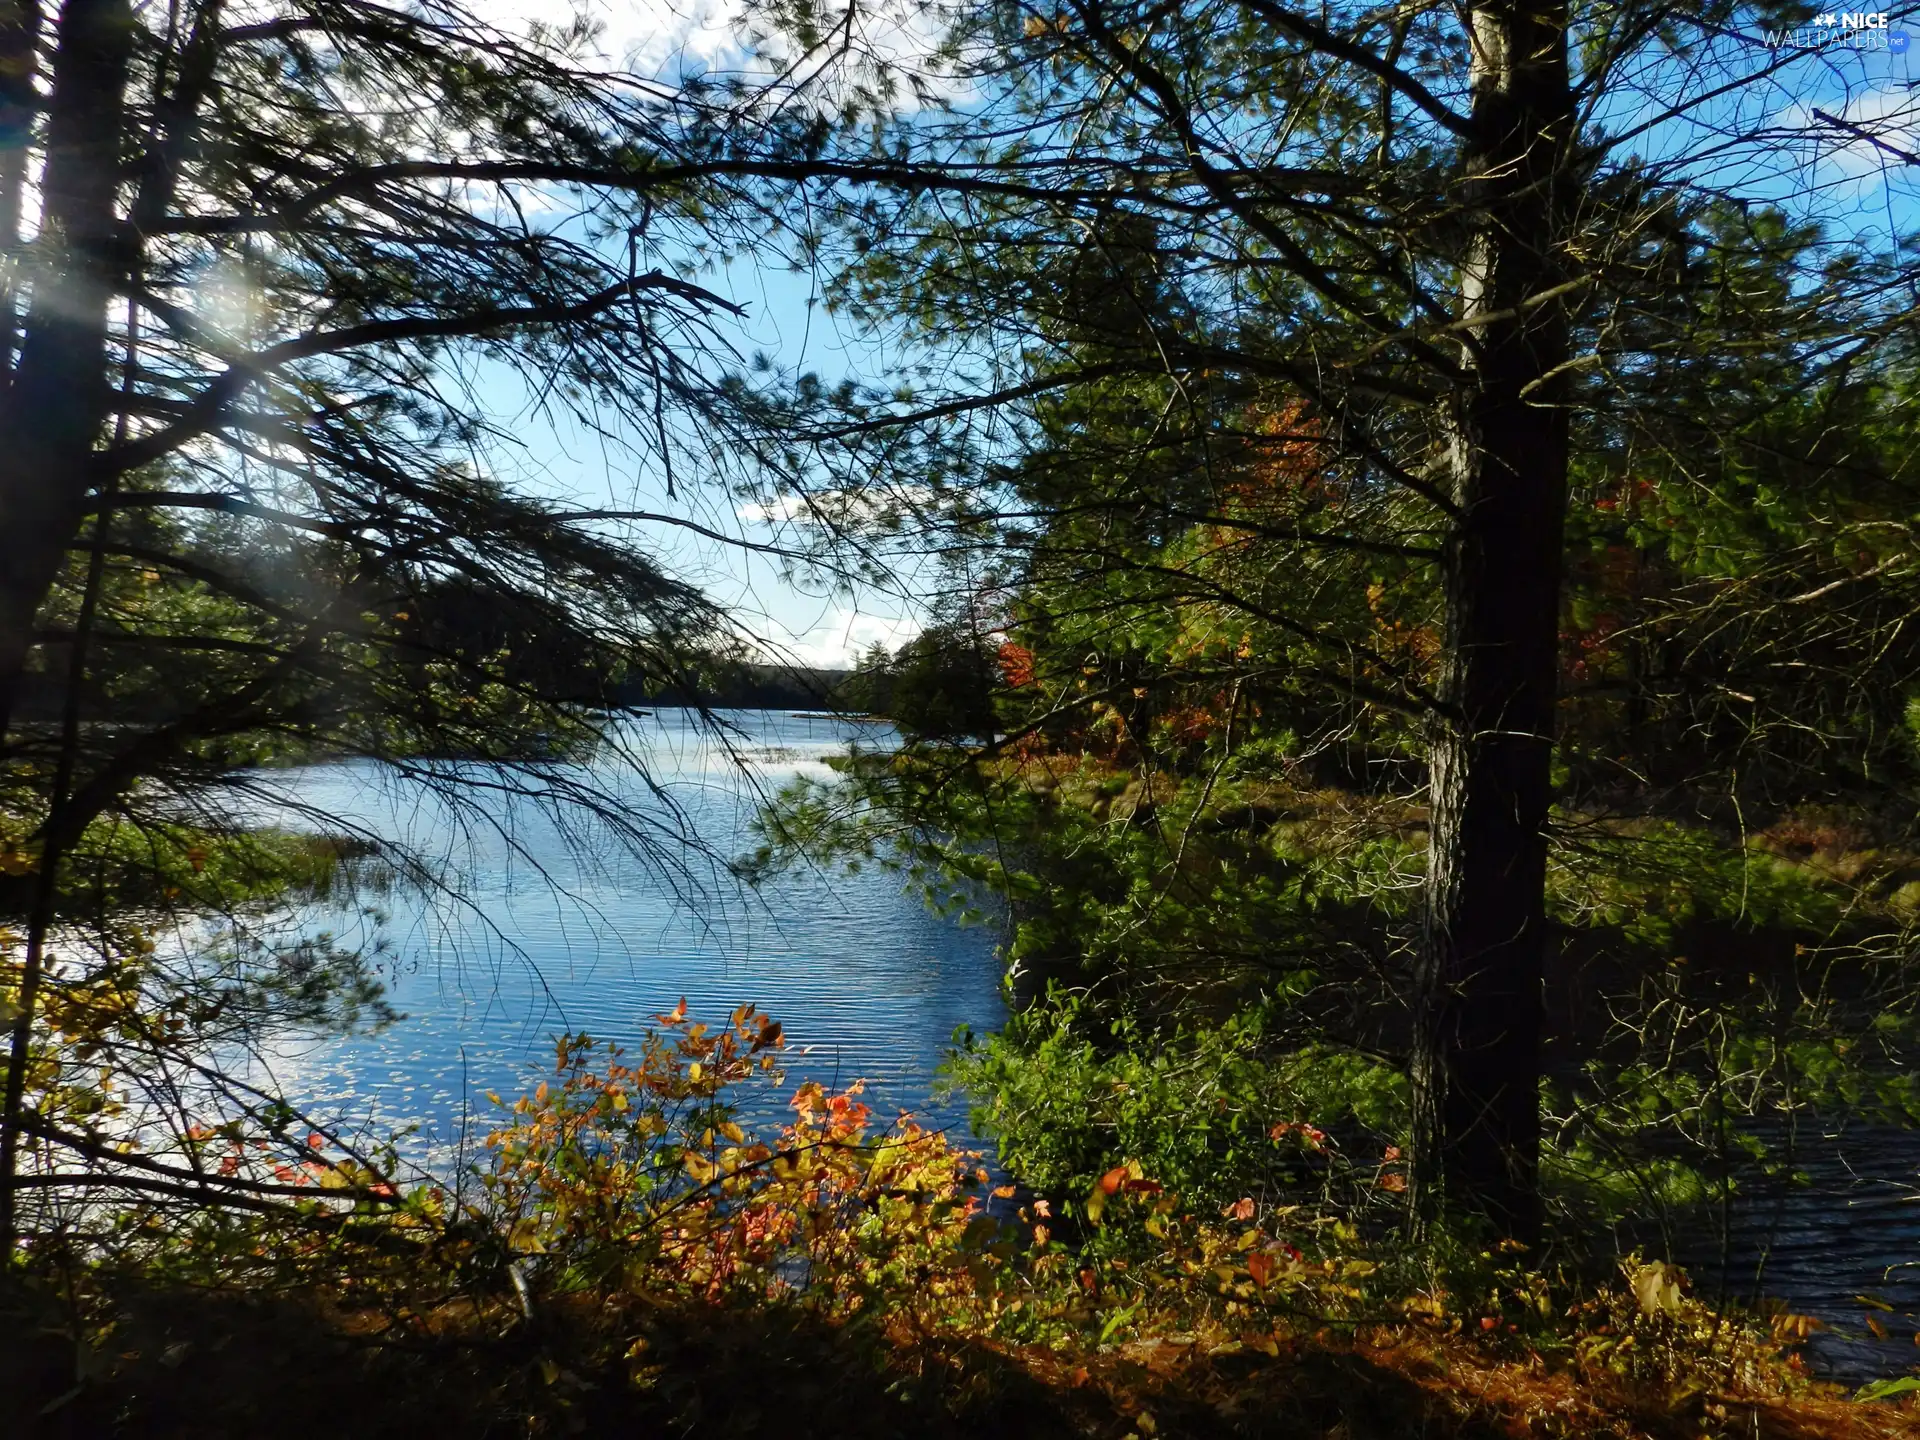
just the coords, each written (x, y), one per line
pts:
(552, 925)
(549, 926)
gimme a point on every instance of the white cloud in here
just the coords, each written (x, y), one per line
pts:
(843, 509)
(1867, 133)
(662, 39)
(840, 639)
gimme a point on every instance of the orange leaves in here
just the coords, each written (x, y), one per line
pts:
(1794, 1328)
(1128, 1179)
(1310, 1136)
(1290, 457)
(638, 1168)
(1016, 664)
(1260, 1266)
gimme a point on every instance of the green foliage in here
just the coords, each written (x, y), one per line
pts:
(1209, 1112)
(937, 686)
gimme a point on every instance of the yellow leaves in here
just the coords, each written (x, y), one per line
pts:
(1658, 1288)
(1795, 1327)
(15, 861)
(524, 1237)
(336, 1177)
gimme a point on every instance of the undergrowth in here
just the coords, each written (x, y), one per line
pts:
(627, 1254)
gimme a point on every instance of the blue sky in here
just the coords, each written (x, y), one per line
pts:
(1823, 134)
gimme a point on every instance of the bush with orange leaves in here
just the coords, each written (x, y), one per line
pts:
(634, 1174)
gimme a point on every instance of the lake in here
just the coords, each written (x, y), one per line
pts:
(549, 928)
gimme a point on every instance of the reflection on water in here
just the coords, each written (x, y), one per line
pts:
(548, 936)
(554, 931)
(1843, 1247)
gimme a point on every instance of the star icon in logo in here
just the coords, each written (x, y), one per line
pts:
(1827, 19)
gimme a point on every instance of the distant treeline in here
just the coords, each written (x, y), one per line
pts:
(750, 686)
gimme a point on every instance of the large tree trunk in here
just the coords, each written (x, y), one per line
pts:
(53, 414)
(1484, 943)
(19, 72)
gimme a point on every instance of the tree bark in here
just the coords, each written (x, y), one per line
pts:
(19, 70)
(1484, 941)
(53, 414)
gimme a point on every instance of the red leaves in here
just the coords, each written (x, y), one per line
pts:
(1016, 664)
(1260, 1266)
(642, 1165)
(1125, 1178)
(677, 1017)
(1310, 1136)
(1241, 1209)
(1391, 1180)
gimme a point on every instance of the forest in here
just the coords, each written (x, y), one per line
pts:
(1403, 538)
